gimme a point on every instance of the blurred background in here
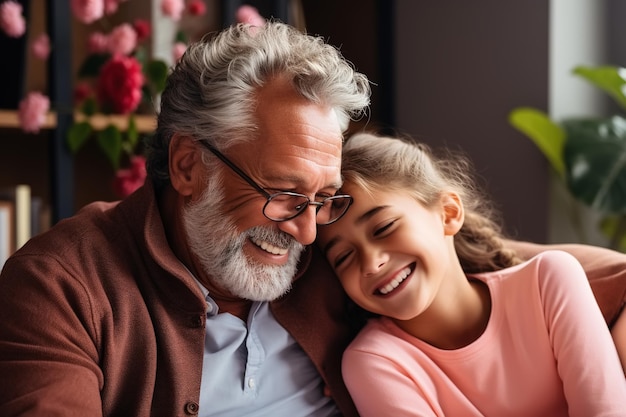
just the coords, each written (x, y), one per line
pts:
(447, 73)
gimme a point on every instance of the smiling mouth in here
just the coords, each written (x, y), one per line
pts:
(268, 247)
(395, 283)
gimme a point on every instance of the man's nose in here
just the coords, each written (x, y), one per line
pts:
(302, 227)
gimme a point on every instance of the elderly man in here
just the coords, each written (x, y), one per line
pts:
(200, 294)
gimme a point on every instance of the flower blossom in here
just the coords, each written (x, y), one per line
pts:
(98, 43)
(111, 6)
(196, 7)
(32, 111)
(41, 46)
(178, 50)
(119, 84)
(122, 39)
(128, 180)
(173, 8)
(250, 15)
(11, 20)
(88, 11)
(143, 29)
(81, 92)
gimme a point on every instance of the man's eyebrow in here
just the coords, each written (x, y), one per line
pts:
(297, 181)
(360, 220)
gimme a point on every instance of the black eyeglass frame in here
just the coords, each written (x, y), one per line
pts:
(300, 208)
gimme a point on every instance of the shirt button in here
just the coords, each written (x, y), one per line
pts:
(251, 383)
(209, 308)
(191, 408)
(196, 321)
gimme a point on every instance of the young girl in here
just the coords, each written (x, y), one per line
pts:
(465, 328)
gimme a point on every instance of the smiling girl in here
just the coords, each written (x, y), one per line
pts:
(463, 327)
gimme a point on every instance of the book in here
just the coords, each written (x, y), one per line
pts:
(20, 196)
(40, 216)
(7, 236)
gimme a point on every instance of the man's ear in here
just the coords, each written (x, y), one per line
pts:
(183, 159)
(453, 213)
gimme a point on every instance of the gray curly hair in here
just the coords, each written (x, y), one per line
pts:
(210, 94)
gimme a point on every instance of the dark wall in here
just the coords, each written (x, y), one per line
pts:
(448, 73)
(460, 68)
(354, 26)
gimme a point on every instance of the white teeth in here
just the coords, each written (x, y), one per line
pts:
(268, 247)
(396, 281)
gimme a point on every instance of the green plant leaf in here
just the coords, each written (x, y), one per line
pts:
(132, 133)
(156, 72)
(613, 227)
(92, 64)
(90, 106)
(146, 96)
(181, 37)
(611, 79)
(77, 135)
(595, 156)
(110, 141)
(141, 55)
(547, 135)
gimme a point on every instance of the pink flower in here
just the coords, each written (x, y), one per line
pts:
(41, 46)
(98, 43)
(122, 39)
(88, 11)
(143, 29)
(128, 180)
(249, 14)
(196, 7)
(81, 92)
(119, 84)
(11, 20)
(138, 166)
(32, 111)
(173, 8)
(178, 50)
(111, 6)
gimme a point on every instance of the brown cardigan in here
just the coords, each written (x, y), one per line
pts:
(98, 317)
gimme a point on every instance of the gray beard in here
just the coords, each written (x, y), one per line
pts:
(222, 256)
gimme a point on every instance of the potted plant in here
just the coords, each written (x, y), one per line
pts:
(588, 154)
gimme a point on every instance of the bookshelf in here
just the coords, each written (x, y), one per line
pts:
(145, 124)
(59, 75)
(61, 183)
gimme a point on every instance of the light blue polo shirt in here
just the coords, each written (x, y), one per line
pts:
(257, 369)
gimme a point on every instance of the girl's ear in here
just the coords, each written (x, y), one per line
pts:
(183, 158)
(453, 213)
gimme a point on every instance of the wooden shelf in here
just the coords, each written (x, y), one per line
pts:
(8, 119)
(145, 124)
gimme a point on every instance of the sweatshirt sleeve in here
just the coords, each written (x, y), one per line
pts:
(587, 361)
(605, 270)
(48, 357)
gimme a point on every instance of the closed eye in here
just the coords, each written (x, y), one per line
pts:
(339, 260)
(383, 229)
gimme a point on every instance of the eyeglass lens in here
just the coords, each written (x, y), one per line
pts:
(286, 206)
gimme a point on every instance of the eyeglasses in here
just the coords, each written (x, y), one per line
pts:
(285, 205)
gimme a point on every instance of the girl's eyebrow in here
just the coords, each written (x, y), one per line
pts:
(360, 220)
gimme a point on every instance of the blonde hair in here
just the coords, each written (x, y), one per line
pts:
(374, 163)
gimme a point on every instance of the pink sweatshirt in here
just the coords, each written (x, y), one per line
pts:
(546, 351)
